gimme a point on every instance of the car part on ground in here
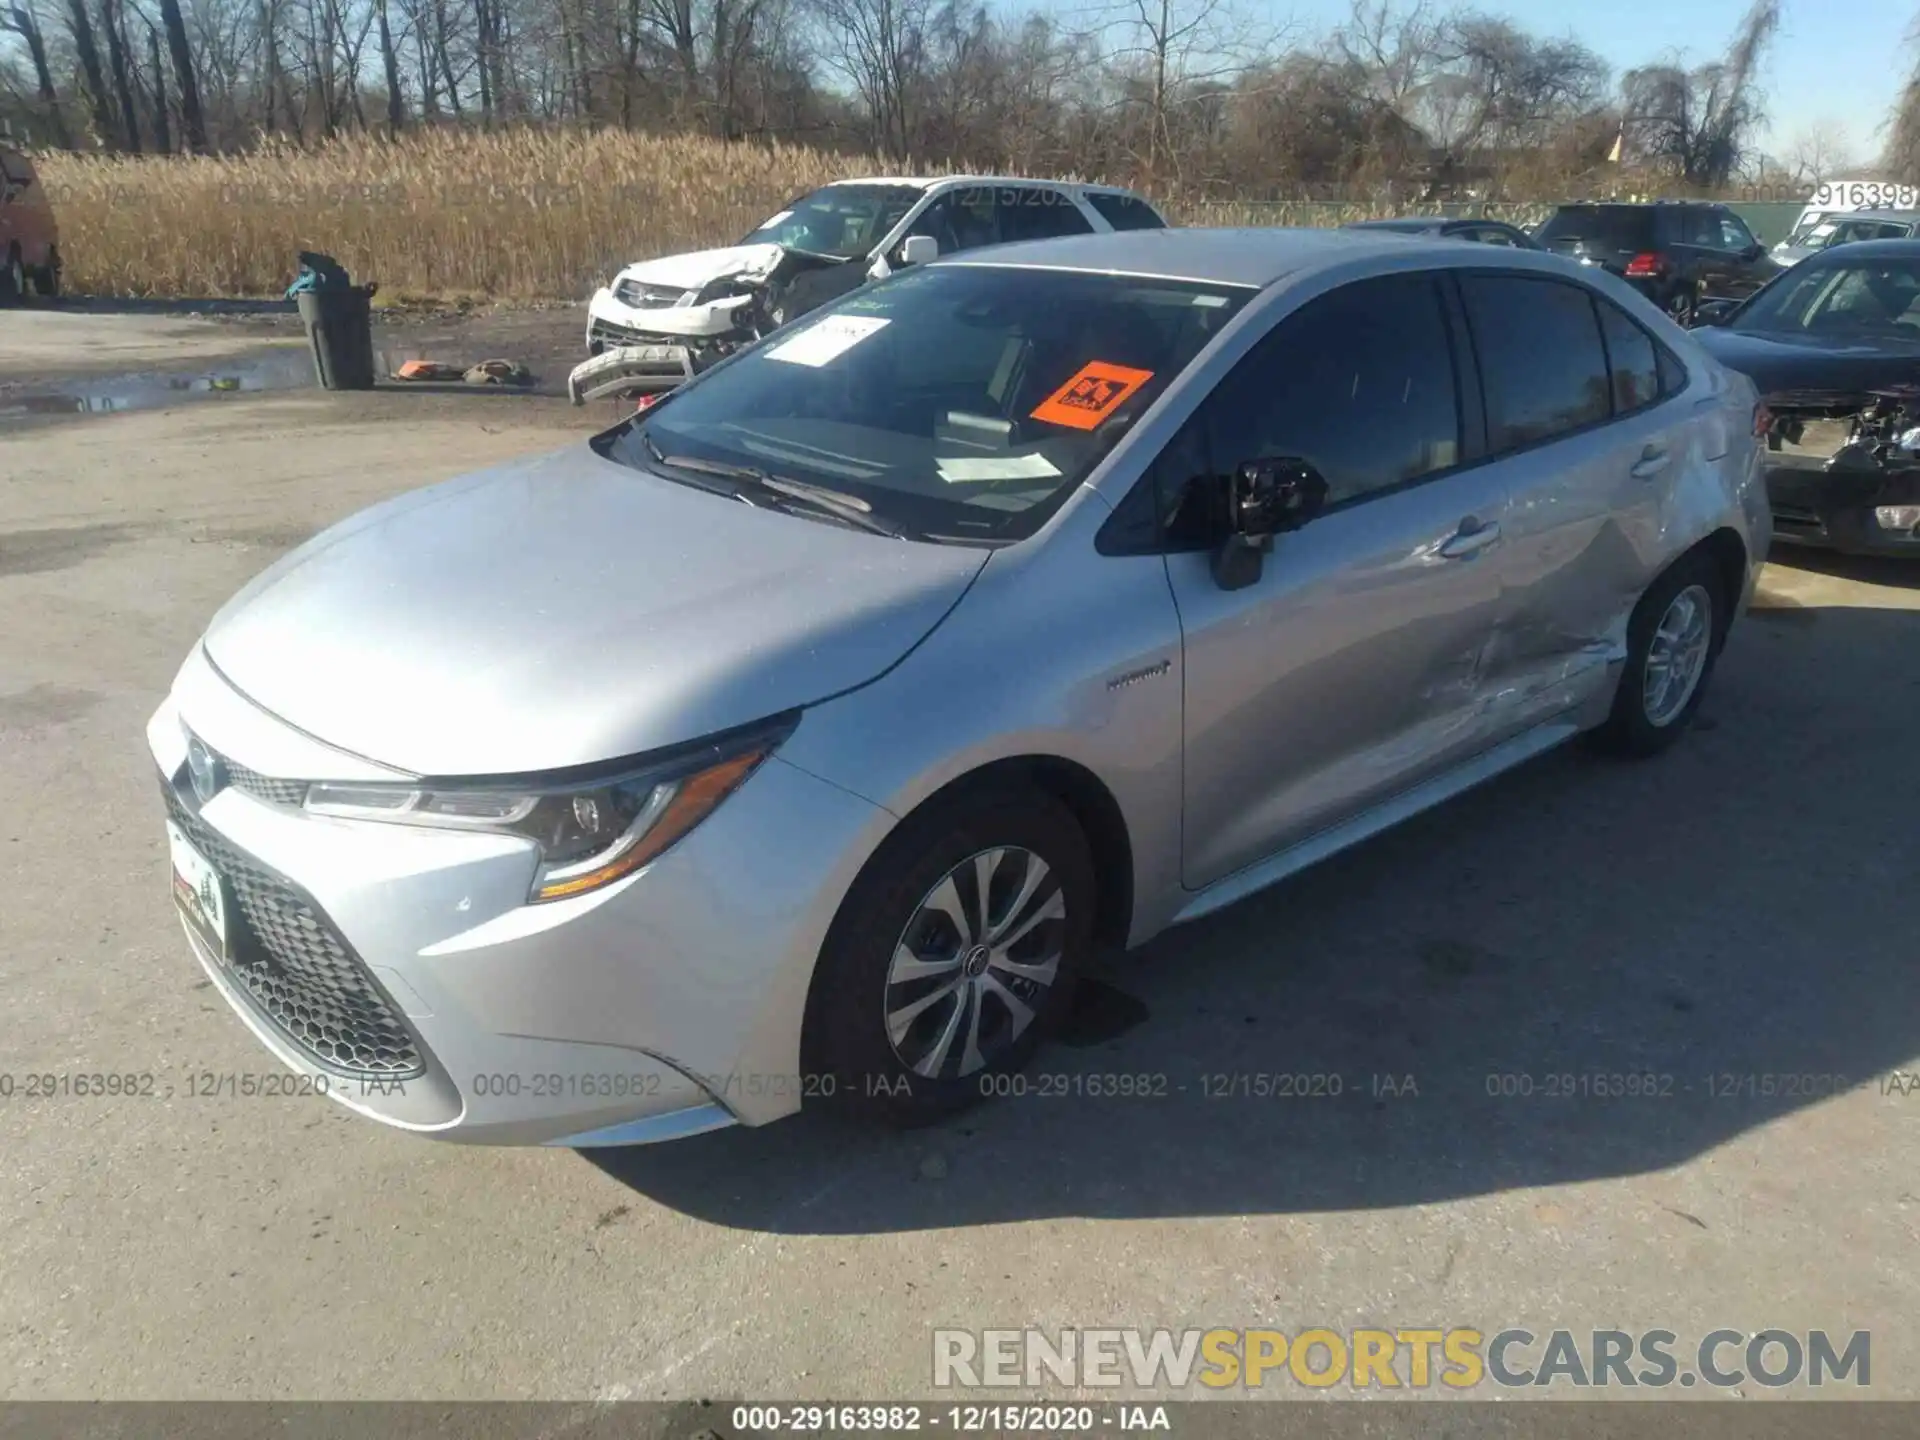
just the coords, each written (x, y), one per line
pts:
(718, 766)
(1833, 347)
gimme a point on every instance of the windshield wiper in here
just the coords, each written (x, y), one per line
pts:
(850, 508)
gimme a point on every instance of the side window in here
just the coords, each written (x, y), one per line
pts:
(1125, 212)
(1734, 234)
(1488, 235)
(1700, 226)
(1359, 384)
(1631, 358)
(1542, 366)
(1031, 212)
(961, 219)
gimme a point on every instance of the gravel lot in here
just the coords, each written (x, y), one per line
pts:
(1745, 906)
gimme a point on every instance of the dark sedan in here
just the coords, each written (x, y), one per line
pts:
(1486, 232)
(1833, 346)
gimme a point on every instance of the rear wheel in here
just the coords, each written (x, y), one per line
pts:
(1673, 640)
(955, 952)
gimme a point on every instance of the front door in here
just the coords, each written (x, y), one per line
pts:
(1356, 664)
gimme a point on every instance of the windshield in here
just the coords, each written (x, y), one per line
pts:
(1857, 300)
(841, 220)
(953, 402)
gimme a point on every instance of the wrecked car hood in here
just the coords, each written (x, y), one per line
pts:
(567, 610)
(702, 267)
(1779, 363)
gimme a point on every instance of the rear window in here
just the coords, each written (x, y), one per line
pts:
(1125, 212)
(1623, 227)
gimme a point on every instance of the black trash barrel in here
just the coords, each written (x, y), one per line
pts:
(339, 325)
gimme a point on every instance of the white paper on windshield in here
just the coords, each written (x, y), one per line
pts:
(826, 340)
(962, 469)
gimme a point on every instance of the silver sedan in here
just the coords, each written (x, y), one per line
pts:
(798, 740)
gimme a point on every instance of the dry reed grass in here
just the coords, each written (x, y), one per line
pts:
(450, 214)
(514, 215)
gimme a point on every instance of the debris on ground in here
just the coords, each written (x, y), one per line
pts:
(418, 370)
(499, 372)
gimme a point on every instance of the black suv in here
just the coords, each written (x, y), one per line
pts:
(1676, 252)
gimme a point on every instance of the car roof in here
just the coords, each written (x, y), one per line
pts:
(1906, 216)
(1408, 224)
(1253, 257)
(931, 182)
(1905, 248)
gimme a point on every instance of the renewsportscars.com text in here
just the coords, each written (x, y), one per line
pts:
(1413, 1358)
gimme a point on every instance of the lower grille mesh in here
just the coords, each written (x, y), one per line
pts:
(299, 974)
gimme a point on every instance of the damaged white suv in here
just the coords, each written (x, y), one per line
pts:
(681, 313)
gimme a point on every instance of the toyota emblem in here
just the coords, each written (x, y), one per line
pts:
(204, 770)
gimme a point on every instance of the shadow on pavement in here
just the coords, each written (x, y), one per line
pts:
(1728, 928)
(136, 305)
(1888, 570)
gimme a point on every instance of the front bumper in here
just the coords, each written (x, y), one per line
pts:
(611, 323)
(665, 1004)
(1829, 511)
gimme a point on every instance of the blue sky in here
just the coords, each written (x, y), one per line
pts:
(1841, 61)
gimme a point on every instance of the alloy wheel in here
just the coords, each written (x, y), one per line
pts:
(976, 962)
(1677, 655)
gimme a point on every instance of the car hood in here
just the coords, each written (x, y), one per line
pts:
(568, 610)
(1777, 364)
(702, 267)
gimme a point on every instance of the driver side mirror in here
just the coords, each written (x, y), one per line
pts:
(1264, 498)
(919, 250)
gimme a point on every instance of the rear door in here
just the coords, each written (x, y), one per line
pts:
(1585, 439)
(1038, 212)
(1352, 668)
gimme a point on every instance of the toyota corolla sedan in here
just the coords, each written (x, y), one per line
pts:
(798, 740)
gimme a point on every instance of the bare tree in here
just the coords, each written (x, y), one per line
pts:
(22, 22)
(162, 123)
(1817, 152)
(192, 117)
(110, 25)
(1701, 122)
(93, 82)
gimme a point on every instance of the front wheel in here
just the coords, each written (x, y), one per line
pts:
(1673, 639)
(954, 953)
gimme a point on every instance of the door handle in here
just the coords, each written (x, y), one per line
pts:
(1652, 461)
(1465, 542)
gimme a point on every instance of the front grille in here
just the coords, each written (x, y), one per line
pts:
(265, 787)
(647, 297)
(297, 970)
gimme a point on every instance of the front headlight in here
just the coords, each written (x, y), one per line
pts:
(590, 831)
(1897, 517)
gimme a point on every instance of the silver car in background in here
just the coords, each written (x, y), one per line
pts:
(799, 739)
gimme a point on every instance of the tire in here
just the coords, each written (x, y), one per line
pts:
(911, 1049)
(1684, 306)
(1648, 717)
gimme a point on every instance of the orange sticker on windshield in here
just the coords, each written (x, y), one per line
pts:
(1092, 395)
